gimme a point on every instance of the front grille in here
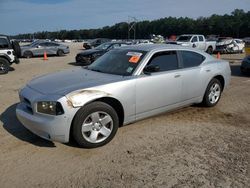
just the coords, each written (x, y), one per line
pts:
(28, 105)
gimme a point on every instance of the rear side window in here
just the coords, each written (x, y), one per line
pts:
(201, 38)
(3, 43)
(165, 60)
(43, 44)
(195, 39)
(191, 59)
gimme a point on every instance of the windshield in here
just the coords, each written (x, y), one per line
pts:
(103, 46)
(119, 62)
(184, 38)
(35, 43)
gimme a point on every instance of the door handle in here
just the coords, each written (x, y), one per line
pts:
(177, 75)
(208, 70)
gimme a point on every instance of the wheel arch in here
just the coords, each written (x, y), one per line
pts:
(221, 80)
(5, 57)
(113, 102)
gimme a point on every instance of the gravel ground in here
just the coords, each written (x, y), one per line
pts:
(192, 147)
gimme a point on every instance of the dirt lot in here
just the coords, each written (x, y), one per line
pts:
(192, 147)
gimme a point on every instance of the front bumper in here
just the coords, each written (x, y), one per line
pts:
(66, 51)
(49, 127)
(245, 67)
(83, 60)
(53, 129)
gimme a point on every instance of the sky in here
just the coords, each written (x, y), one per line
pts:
(29, 16)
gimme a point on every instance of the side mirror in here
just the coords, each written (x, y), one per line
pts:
(38, 46)
(194, 45)
(151, 68)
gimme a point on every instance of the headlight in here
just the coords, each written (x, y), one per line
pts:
(50, 107)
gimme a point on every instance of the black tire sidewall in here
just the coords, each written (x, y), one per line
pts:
(16, 48)
(28, 54)
(206, 101)
(60, 53)
(210, 50)
(6, 65)
(81, 116)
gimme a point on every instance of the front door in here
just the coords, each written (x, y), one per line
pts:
(159, 89)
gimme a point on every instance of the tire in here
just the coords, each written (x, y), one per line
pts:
(4, 66)
(16, 48)
(60, 53)
(95, 125)
(213, 93)
(28, 54)
(210, 50)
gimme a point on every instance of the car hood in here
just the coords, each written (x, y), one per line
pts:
(62, 83)
(90, 51)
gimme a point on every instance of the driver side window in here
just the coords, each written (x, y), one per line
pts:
(166, 61)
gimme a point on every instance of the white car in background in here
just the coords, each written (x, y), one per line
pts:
(195, 41)
(230, 45)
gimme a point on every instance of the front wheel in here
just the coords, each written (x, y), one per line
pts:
(4, 66)
(213, 93)
(95, 125)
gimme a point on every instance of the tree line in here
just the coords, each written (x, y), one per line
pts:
(236, 24)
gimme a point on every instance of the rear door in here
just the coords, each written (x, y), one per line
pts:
(192, 74)
(39, 49)
(202, 43)
(160, 89)
(52, 48)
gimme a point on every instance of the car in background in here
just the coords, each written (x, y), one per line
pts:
(245, 65)
(230, 45)
(94, 43)
(9, 53)
(124, 85)
(88, 56)
(38, 48)
(195, 41)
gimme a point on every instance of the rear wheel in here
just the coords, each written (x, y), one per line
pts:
(210, 50)
(4, 66)
(28, 54)
(95, 125)
(213, 93)
(60, 53)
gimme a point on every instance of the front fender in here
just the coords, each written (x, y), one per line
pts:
(81, 97)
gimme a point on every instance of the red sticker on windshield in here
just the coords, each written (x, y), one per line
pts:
(134, 59)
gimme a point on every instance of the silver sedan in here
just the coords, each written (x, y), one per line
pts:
(38, 48)
(121, 87)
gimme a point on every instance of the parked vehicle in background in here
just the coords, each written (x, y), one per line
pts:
(122, 86)
(88, 56)
(245, 65)
(94, 43)
(230, 45)
(195, 41)
(246, 39)
(38, 48)
(9, 53)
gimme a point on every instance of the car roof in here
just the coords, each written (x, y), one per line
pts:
(151, 47)
(161, 47)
